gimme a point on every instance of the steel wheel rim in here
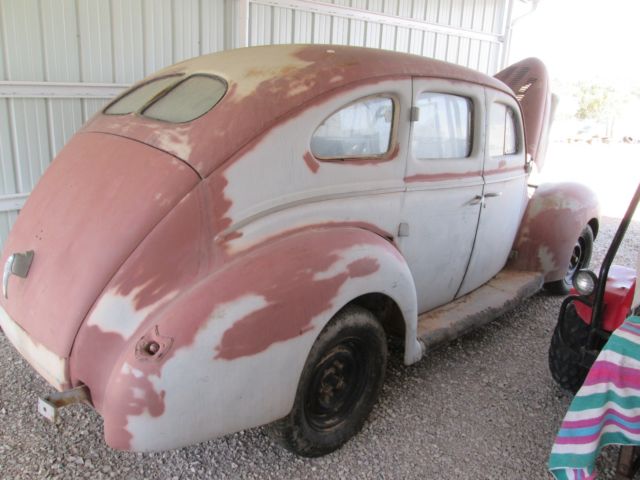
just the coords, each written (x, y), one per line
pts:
(577, 260)
(336, 385)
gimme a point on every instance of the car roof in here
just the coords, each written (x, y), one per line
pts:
(266, 86)
(248, 67)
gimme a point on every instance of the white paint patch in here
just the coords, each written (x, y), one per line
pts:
(129, 370)
(117, 313)
(547, 259)
(347, 256)
(44, 361)
(175, 141)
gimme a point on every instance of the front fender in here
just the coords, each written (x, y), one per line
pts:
(553, 220)
(233, 346)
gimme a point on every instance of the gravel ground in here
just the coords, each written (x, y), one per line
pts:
(484, 406)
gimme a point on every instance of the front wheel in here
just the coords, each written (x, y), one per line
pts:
(580, 258)
(565, 365)
(339, 385)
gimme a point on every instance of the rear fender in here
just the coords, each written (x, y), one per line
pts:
(553, 220)
(232, 348)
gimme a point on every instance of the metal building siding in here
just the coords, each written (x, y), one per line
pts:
(60, 60)
(277, 24)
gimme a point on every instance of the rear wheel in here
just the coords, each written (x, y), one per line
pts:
(580, 258)
(570, 334)
(339, 385)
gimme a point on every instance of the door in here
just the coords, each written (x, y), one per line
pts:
(505, 190)
(443, 187)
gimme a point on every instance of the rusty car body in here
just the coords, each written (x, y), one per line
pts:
(190, 244)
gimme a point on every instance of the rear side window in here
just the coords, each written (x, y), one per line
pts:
(503, 139)
(188, 100)
(137, 98)
(361, 129)
(443, 129)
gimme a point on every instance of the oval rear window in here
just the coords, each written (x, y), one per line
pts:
(188, 100)
(137, 98)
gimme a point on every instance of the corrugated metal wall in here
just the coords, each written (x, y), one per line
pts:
(60, 60)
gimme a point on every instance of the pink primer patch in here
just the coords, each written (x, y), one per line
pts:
(311, 162)
(436, 177)
(291, 307)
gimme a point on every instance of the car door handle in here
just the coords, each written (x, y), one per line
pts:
(476, 200)
(493, 194)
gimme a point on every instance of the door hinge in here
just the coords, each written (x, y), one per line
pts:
(403, 229)
(414, 114)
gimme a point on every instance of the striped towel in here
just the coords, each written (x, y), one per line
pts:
(606, 409)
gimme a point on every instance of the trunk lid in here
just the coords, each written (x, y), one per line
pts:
(96, 202)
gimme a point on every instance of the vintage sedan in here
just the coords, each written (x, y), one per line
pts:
(231, 241)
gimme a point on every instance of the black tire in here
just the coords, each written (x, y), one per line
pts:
(339, 385)
(564, 358)
(580, 258)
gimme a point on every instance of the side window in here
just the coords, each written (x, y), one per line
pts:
(443, 129)
(503, 139)
(361, 129)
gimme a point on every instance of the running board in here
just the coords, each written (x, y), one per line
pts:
(503, 293)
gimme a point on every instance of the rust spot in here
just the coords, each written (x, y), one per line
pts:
(436, 177)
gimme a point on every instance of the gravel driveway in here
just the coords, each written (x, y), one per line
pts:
(484, 406)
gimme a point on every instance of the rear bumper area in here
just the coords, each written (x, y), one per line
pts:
(46, 363)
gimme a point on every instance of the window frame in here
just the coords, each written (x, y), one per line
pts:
(393, 134)
(472, 125)
(517, 130)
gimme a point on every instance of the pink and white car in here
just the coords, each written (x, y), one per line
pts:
(231, 241)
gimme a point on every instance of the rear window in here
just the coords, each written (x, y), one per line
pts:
(170, 100)
(188, 100)
(137, 98)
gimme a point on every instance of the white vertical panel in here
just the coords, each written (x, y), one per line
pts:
(340, 26)
(8, 183)
(212, 24)
(158, 34)
(260, 26)
(388, 34)
(7, 219)
(22, 32)
(65, 118)
(127, 40)
(96, 47)
(302, 27)
(60, 36)
(373, 32)
(31, 139)
(357, 28)
(3, 46)
(90, 107)
(186, 31)
(321, 28)
(282, 22)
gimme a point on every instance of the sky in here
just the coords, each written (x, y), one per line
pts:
(582, 39)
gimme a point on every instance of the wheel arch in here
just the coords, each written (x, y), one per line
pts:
(239, 325)
(555, 216)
